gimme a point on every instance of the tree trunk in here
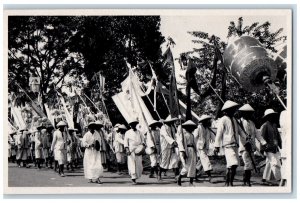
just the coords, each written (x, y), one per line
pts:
(43, 102)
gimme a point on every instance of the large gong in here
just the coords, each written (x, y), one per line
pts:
(249, 63)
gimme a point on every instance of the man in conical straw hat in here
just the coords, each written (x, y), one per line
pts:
(271, 135)
(229, 136)
(24, 148)
(92, 163)
(246, 112)
(169, 148)
(119, 146)
(59, 147)
(71, 149)
(19, 146)
(38, 149)
(11, 146)
(153, 146)
(46, 144)
(188, 153)
(133, 140)
(203, 136)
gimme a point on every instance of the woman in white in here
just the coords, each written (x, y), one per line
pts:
(133, 138)
(92, 163)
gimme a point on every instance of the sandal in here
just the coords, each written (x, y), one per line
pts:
(99, 181)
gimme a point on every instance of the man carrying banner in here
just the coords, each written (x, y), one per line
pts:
(169, 148)
(203, 135)
(228, 136)
(246, 112)
(187, 148)
(153, 147)
(134, 144)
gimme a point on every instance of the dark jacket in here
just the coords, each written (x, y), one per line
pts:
(271, 135)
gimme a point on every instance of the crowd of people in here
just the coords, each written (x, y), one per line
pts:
(171, 144)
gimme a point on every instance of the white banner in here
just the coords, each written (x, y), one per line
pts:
(17, 115)
(131, 104)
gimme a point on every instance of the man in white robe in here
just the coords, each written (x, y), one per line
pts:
(203, 135)
(59, 147)
(92, 163)
(153, 147)
(187, 148)
(119, 146)
(169, 148)
(134, 138)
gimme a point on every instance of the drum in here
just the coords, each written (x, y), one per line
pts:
(149, 151)
(97, 145)
(140, 150)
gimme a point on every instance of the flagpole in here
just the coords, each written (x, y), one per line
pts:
(159, 117)
(101, 95)
(91, 102)
(161, 92)
(176, 95)
(41, 112)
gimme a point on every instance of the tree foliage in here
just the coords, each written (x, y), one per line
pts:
(39, 46)
(205, 59)
(80, 47)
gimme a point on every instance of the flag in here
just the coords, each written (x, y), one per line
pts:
(69, 116)
(101, 84)
(131, 104)
(173, 99)
(49, 114)
(17, 115)
(191, 84)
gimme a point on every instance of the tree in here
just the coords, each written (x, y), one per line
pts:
(40, 46)
(107, 42)
(207, 70)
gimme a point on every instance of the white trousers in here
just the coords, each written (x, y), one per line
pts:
(231, 156)
(204, 160)
(272, 166)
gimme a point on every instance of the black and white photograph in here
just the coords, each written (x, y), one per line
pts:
(163, 101)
